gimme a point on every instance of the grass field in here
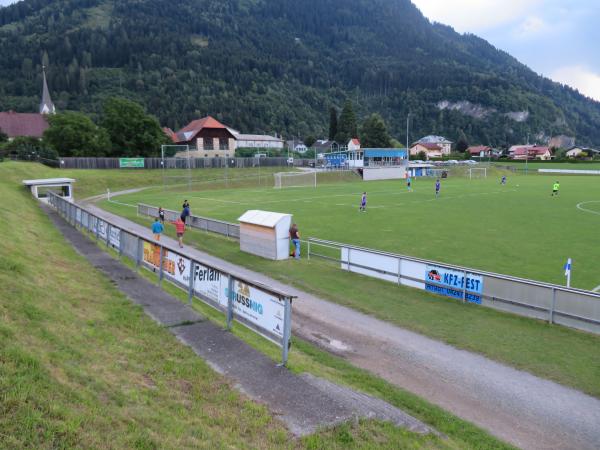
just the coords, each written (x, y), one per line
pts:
(517, 229)
(81, 367)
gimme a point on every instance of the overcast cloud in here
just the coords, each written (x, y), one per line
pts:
(557, 38)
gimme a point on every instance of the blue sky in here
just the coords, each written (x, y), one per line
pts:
(557, 38)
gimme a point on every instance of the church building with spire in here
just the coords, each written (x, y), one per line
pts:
(33, 125)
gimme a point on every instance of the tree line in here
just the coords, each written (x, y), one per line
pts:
(124, 129)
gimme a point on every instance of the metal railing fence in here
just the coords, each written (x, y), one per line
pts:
(265, 310)
(183, 163)
(576, 308)
(228, 229)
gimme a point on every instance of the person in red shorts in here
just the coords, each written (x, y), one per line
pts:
(180, 229)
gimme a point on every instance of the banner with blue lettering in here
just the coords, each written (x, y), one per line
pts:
(448, 282)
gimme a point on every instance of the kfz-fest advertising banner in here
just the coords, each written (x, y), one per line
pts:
(448, 282)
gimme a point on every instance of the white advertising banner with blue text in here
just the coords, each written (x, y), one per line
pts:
(260, 308)
(451, 283)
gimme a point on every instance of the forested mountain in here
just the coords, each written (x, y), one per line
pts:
(278, 65)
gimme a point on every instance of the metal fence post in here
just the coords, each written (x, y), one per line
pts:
(230, 295)
(464, 299)
(108, 227)
(308, 251)
(287, 331)
(399, 271)
(552, 306)
(160, 268)
(137, 252)
(191, 283)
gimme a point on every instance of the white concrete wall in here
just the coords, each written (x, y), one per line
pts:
(383, 173)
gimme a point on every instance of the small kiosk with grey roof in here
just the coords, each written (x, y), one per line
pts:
(62, 187)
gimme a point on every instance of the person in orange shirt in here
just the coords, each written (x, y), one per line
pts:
(180, 229)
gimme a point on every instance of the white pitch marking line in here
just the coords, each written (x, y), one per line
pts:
(596, 289)
(581, 208)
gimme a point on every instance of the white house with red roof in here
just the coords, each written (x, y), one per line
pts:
(522, 152)
(354, 144)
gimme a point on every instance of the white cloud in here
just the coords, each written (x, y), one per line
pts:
(581, 78)
(475, 15)
(531, 26)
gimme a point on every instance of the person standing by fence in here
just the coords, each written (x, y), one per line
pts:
(157, 229)
(179, 229)
(161, 214)
(295, 237)
(185, 212)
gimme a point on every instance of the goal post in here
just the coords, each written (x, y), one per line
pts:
(477, 172)
(170, 160)
(295, 179)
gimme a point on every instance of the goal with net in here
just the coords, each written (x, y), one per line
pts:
(295, 179)
(477, 172)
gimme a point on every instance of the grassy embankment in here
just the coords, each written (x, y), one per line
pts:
(82, 367)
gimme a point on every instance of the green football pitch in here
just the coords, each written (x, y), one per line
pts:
(517, 229)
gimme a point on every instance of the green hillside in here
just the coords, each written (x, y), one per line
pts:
(278, 65)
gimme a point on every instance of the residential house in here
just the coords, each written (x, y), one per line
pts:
(441, 141)
(256, 140)
(207, 138)
(354, 144)
(522, 152)
(23, 124)
(480, 151)
(297, 146)
(325, 146)
(574, 152)
(33, 125)
(430, 150)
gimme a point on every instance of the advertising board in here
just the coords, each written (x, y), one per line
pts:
(451, 283)
(115, 237)
(131, 163)
(258, 307)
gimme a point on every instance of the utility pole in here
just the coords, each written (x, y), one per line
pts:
(407, 123)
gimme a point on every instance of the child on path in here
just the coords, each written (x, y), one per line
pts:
(363, 202)
(295, 237)
(179, 229)
(157, 229)
(438, 186)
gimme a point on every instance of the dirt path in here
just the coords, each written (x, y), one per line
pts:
(520, 408)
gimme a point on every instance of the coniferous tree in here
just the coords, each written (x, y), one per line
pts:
(374, 133)
(347, 126)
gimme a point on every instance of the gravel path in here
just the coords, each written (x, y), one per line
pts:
(525, 410)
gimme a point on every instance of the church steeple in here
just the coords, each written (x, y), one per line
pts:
(46, 107)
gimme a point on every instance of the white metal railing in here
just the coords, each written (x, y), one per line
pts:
(228, 229)
(265, 310)
(576, 308)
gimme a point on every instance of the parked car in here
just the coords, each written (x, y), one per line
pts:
(471, 161)
(452, 161)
